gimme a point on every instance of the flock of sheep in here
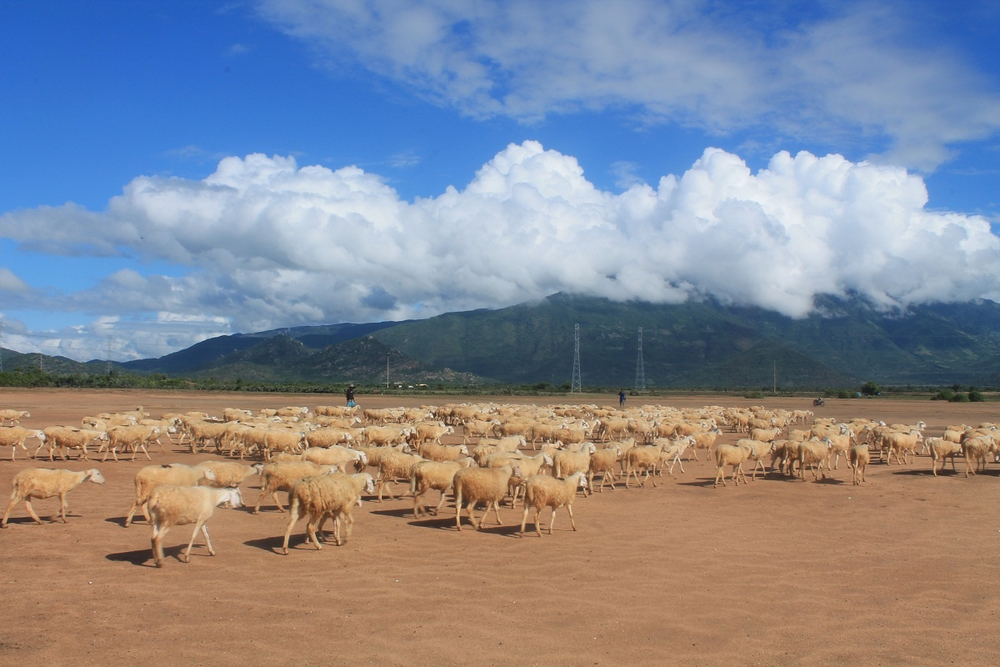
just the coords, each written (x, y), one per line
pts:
(543, 457)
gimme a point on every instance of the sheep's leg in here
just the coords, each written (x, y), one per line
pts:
(496, 512)
(437, 509)
(35, 455)
(208, 542)
(552, 520)
(472, 517)
(524, 519)
(186, 554)
(131, 512)
(293, 518)
(572, 520)
(31, 511)
(6, 515)
(311, 534)
(721, 474)
(62, 506)
(157, 543)
(538, 525)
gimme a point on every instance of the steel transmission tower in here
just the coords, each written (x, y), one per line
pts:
(640, 371)
(577, 385)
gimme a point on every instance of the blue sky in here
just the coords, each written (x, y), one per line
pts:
(179, 170)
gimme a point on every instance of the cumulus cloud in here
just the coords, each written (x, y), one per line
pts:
(826, 74)
(269, 243)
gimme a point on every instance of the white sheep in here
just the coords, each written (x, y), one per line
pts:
(171, 505)
(481, 485)
(174, 474)
(229, 474)
(39, 483)
(859, 458)
(321, 497)
(603, 461)
(395, 466)
(814, 453)
(15, 436)
(436, 452)
(941, 450)
(437, 475)
(13, 416)
(130, 437)
(60, 438)
(280, 476)
(545, 491)
(730, 455)
(336, 456)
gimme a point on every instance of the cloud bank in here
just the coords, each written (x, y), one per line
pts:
(266, 243)
(818, 72)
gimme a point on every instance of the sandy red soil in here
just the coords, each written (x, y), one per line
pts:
(899, 571)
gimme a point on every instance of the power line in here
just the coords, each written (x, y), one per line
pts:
(640, 371)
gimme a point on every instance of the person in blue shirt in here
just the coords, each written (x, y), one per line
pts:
(621, 398)
(350, 396)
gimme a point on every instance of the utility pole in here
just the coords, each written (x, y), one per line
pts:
(109, 355)
(640, 371)
(576, 386)
(387, 371)
(1, 347)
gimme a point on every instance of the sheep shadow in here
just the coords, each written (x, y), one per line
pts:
(120, 520)
(398, 512)
(270, 544)
(139, 557)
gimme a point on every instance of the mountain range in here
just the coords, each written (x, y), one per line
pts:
(702, 344)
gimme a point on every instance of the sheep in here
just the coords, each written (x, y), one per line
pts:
(814, 453)
(14, 437)
(282, 441)
(439, 475)
(328, 437)
(481, 485)
(321, 496)
(395, 466)
(603, 461)
(642, 457)
(59, 438)
(436, 452)
(672, 452)
(975, 450)
(202, 432)
(13, 416)
(39, 483)
(424, 432)
(229, 474)
(840, 444)
(703, 440)
(859, 457)
(758, 449)
(941, 450)
(150, 477)
(731, 455)
(171, 505)
(529, 466)
(386, 435)
(276, 477)
(565, 462)
(336, 456)
(134, 437)
(475, 428)
(545, 491)
(902, 443)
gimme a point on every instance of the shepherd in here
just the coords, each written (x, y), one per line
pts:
(350, 395)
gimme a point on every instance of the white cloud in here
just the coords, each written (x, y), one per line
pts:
(831, 74)
(272, 244)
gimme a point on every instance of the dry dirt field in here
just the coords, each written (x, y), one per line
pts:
(899, 571)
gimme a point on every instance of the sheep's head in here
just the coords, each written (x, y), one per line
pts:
(95, 476)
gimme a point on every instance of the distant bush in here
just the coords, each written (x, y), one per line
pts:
(960, 398)
(976, 397)
(845, 393)
(943, 395)
(871, 389)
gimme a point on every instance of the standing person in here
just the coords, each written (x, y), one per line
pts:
(621, 398)
(350, 395)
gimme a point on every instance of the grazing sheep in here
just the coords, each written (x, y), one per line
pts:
(15, 436)
(859, 457)
(229, 474)
(941, 450)
(730, 455)
(481, 485)
(280, 476)
(545, 491)
(39, 483)
(438, 475)
(321, 497)
(174, 474)
(171, 505)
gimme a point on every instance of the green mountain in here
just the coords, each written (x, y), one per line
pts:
(694, 344)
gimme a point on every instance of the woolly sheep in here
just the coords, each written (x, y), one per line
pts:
(941, 450)
(528, 465)
(975, 450)
(280, 476)
(40, 483)
(437, 475)
(703, 440)
(15, 436)
(13, 416)
(730, 455)
(229, 474)
(130, 437)
(566, 463)
(603, 462)
(814, 453)
(481, 485)
(429, 433)
(328, 437)
(545, 491)
(644, 458)
(321, 497)
(60, 438)
(171, 505)
(757, 450)
(336, 456)
(395, 466)
(435, 452)
(901, 444)
(859, 457)
(174, 474)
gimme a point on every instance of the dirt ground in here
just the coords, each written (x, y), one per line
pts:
(899, 571)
